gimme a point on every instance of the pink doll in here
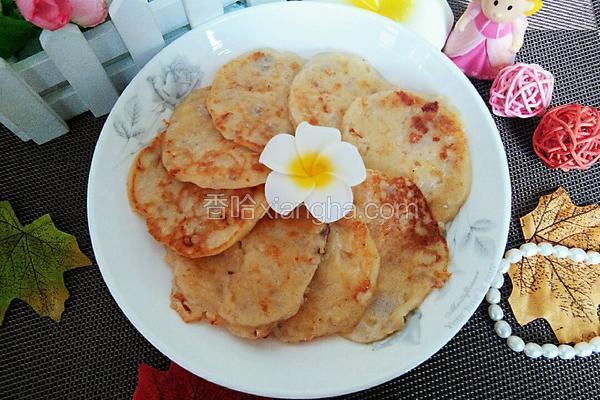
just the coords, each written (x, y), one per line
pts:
(488, 35)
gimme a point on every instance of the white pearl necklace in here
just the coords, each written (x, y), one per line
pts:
(503, 329)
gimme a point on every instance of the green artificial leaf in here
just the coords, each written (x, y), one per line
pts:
(6, 6)
(32, 261)
(15, 32)
(14, 35)
(10, 9)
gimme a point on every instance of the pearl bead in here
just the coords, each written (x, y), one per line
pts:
(545, 249)
(533, 350)
(583, 349)
(503, 329)
(529, 249)
(595, 342)
(550, 350)
(516, 343)
(560, 251)
(577, 255)
(493, 296)
(514, 256)
(566, 352)
(498, 281)
(495, 312)
(592, 257)
(504, 266)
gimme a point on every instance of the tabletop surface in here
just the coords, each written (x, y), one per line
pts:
(94, 352)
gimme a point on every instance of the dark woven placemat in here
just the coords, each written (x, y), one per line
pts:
(94, 352)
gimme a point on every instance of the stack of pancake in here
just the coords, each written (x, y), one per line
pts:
(239, 265)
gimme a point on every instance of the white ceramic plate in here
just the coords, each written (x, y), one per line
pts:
(132, 263)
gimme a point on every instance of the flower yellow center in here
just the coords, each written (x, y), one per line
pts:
(310, 169)
(398, 10)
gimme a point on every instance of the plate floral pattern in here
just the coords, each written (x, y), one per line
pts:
(138, 123)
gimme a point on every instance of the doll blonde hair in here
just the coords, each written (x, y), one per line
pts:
(537, 6)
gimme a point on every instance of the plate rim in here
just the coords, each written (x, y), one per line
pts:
(161, 345)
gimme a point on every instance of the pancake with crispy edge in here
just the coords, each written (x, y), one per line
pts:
(257, 282)
(414, 255)
(194, 151)
(193, 221)
(249, 97)
(328, 84)
(343, 285)
(403, 134)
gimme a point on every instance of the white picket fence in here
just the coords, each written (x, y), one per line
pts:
(78, 71)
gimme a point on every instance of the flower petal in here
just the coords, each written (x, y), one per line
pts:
(279, 153)
(330, 203)
(310, 140)
(283, 192)
(348, 165)
(89, 13)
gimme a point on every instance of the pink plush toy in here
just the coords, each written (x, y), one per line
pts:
(488, 35)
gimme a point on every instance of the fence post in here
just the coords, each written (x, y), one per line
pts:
(24, 112)
(138, 28)
(199, 12)
(73, 56)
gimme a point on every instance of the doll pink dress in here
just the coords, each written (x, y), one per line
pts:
(484, 48)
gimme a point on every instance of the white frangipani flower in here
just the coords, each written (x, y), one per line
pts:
(315, 168)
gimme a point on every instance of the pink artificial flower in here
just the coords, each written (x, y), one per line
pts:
(88, 13)
(47, 14)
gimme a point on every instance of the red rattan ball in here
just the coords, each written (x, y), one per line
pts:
(568, 137)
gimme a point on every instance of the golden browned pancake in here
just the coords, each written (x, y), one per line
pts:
(280, 258)
(414, 255)
(194, 151)
(249, 119)
(256, 283)
(193, 221)
(261, 71)
(342, 288)
(328, 84)
(249, 97)
(198, 286)
(403, 134)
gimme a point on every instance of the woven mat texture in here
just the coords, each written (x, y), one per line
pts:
(94, 352)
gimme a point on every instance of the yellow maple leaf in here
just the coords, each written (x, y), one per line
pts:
(563, 292)
(558, 221)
